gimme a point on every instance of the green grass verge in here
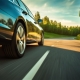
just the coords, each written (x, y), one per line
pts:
(52, 35)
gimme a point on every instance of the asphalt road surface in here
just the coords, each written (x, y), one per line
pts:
(56, 60)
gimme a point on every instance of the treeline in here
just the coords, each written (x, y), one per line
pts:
(57, 27)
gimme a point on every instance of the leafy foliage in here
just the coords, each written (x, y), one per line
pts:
(56, 27)
(78, 37)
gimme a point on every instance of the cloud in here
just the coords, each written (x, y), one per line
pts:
(35, 2)
(64, 22)
(64, 11)
(69, 2)
(68, 22)
(44, 10)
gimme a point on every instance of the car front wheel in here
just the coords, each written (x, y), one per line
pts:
(16, 48)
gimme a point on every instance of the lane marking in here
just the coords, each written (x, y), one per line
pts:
(33, 71)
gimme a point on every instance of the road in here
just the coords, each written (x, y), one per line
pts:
(56, 60)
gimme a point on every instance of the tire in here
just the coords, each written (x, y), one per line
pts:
(16, 48)
(41, 43)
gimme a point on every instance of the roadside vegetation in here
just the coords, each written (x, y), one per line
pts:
(55, 27)
(78, 37)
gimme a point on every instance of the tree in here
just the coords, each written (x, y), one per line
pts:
(45, 20)
(37, 16)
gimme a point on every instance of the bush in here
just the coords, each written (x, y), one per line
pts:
(78, 37)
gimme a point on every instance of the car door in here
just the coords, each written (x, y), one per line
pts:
(36, 30)
(31, 34)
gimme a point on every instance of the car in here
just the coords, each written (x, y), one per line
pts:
(18, 27)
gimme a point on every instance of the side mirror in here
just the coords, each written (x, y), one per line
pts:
(40, 20)
(35, 22)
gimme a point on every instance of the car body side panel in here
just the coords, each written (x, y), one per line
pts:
(10, 13)
(32, 35)
(34, 30)
(30, 23)
(6, 24)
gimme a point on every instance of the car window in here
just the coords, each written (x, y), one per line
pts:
(21, 5)
(16, 2)
(24, 7)
(29, 12)
(11, 0)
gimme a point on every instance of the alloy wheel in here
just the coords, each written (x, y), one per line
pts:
(20, 40)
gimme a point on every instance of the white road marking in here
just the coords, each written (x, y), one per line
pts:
(36, 67)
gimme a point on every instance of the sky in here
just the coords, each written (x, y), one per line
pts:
(64, 11)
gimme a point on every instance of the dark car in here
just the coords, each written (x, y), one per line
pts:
(17, 28)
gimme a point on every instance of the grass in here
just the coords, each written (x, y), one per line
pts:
(52, 35)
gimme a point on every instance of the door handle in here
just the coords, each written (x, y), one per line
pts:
(24, 12)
